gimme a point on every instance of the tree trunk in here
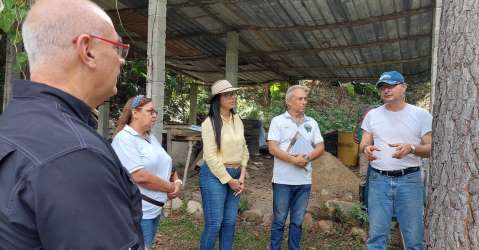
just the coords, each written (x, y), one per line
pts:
(452, 211)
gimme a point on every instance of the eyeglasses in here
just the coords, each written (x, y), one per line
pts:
(152, 112)
(121, 48)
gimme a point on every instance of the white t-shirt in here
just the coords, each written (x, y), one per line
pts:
(136, 153)
(282, 129)
(408, 125)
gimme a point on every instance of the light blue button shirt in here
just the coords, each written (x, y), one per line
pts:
(135, 153)
(282, 129)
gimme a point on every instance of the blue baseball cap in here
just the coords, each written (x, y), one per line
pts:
(391, 78)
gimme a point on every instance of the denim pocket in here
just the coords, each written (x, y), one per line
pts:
(413, 177)
(373, 175)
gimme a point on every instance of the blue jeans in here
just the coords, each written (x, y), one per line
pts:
(400, 197)
(292, 199)
(149, 227)
(220, 208)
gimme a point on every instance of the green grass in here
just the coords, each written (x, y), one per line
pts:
(184, 232)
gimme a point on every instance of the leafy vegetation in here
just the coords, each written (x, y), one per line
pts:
(360, 216)
(244, 204)
(11, 18)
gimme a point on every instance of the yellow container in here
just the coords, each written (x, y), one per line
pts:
(347, 149)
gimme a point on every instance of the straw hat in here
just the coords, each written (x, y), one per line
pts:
(221, 86)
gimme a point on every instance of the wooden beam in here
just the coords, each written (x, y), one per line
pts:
(362, 65)
(308, 50)
(344, 24)
(202, 3)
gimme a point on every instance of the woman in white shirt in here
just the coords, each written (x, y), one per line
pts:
(148, 163)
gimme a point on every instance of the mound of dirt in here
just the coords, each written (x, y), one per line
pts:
(332, 180)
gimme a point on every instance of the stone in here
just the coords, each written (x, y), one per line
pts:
(324, 192)
(267, 219)
(252, 167)
(345, 206)
(348, 196)
(253, 215)
(196, 195)
(194, 207)
(359, 233)
(324, 213)
(176, 204)
(325, 226)
(308, 221)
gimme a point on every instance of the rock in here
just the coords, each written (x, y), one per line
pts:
(176, 204)
(166, 209)
(267, 219)
(345, 206)
(194, 207)
(324, 192)
(348, 196)
(308, 221)
(359, 233)
(324, 213)
(253, 215)
(196, 195)
(325, 226)
(252, 167)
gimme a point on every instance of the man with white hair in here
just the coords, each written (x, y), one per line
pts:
(292, 169)
(61, 184)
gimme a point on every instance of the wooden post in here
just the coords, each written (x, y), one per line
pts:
(193, 103)
(104, 120)
(11, 73)
(156, 75)
(232, 43)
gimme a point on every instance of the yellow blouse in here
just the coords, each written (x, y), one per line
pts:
(233, 147)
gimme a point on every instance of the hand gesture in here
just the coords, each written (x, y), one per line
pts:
(299, 161)
(176, 191)
(242, 185)
(402, 150)
(235, 185)
(369, 150)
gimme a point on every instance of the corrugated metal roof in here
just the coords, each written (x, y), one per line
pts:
(289, 39)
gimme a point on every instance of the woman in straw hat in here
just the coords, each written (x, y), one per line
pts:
(222, 176)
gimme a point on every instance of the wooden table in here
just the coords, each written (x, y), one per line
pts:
(183, 133)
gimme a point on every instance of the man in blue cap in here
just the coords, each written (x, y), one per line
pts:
(395, 137)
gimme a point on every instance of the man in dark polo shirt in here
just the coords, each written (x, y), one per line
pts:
(61, 184)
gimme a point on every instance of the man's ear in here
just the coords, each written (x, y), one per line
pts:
(84, 50)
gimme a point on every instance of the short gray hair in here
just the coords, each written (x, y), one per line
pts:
(49, 35)
(289, 92)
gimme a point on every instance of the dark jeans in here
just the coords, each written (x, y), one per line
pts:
(220, 208)
(292, 199)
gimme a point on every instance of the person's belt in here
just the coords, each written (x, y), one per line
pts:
(232, 165)
(152, 201)
(396, 173)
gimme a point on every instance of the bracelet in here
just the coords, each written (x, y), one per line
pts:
(180, 181)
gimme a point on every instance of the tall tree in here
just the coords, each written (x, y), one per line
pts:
(452, 212)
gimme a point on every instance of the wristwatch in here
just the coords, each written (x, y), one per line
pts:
(413, 149)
